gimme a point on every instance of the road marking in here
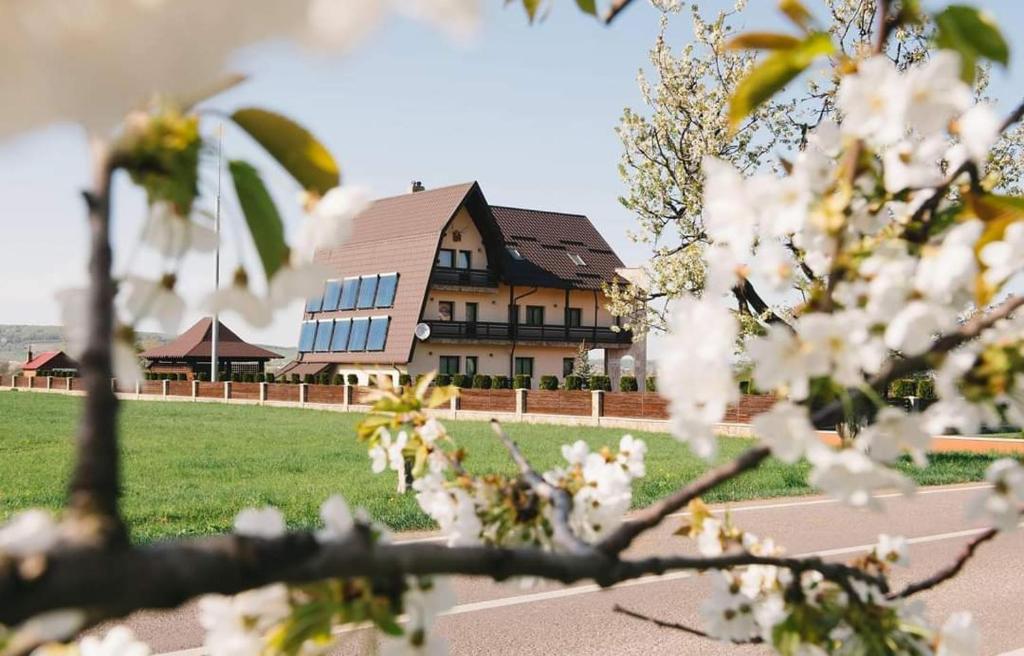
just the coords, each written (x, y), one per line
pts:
(589, 588)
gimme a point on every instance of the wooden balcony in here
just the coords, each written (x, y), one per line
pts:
(491, 331)
(452, 277)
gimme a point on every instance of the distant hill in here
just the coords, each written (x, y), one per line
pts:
(15, 340)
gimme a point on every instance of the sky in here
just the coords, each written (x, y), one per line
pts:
(527, 111)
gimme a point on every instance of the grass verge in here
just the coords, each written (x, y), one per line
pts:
(189, 467)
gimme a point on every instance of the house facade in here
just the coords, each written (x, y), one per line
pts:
(441, 280)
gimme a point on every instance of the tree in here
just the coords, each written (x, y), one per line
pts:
(900, 237)
(581, 363)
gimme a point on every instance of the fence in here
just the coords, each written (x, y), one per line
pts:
(643, 410)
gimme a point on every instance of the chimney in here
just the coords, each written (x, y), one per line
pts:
(29, 354)
(417, 186)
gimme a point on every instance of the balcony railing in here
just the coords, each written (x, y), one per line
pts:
(506, 332)
(467, 277)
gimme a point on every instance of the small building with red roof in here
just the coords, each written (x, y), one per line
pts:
(49, 363)
(190, 353)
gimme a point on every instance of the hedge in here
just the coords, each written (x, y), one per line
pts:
(352, 379)
(443, 380)
(598, 382)
(651, 383)
(204, 377)
(482, 381)
(462, 381)
(522, 381)
(549, 382)
(573, 382)
(337, 379)
(270, 378)
(901, 388)
(628, 384)
(501, 382)
(926, 389)
(405, 380)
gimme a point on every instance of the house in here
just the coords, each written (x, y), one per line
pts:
(190, 353)
(49, 363)
(440, 279)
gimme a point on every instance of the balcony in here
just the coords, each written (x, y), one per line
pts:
(506, 332)
(453, 277)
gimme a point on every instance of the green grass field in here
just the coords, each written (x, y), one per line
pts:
(189, 467)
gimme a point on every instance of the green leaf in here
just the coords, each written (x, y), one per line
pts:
(298, 151)
(973, 34)
(773, 73)
(796, 12)
(261, 215)
(587, 6)
(762, 41)
(531, 7)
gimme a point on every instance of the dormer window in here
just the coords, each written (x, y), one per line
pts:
(514, 252)
(576, 259)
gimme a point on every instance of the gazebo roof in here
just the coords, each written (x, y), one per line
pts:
(196, 343)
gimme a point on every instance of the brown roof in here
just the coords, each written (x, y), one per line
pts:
(302, 368)
(50, 360)
(546, 240)
(196, 343)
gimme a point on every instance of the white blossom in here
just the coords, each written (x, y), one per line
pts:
(575, 453)
(730, 207)
(292, 281)
(728, 613)
(632, 451)
(783, 360)
(451, 507)
(959, 636)
(914, 328)
(28, 533)
(892, 549)
(329, 223)
(156, 299)
(1004, 257)
(74, 314)
(709, 539)
(893, 432)
(267, 522)
(979, 129)
(945, 274)
(118, 641)
(852, 477)
(913, 164)
(237, 298)
(873, 101)
(337, 518)
(935, 93)
(235, 626)
(431, 431)
(786, 428)
(172, 235)
(1001, 503)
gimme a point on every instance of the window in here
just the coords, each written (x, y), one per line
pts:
(378, 335)
(449, 364)
(574, 317)
(349, 291)
(446, 258)
(307, 336)
(471, 365)
(514, 252)
(331, 295)
(568, 364)
(534, 315)
(576, 259)
(445, 310)
(367, 291)
(323, 335)
(524, 366)
(340, 340)
(386, 290)
(313, 304)
(465, 260)
(357, 334)
(472, 310)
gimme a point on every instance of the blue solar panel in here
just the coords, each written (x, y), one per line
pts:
(357, 336)
(367, 291)
(349, 291)
(378, 335)
(331, 295)
(306, 336)
(340, 340)
(386, 290)
(323, 335)
(314, 304)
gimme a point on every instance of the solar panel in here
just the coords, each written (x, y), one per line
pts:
(314, 304)
(367, 291)
(323, 335)
(378, 334)
(357, 335)
(386, 290)
(340, 340)
(349, 291)
(306, 336)
(332, 293)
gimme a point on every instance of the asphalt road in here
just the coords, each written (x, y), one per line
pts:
(552, 619)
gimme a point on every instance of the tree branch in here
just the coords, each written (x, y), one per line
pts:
(662, 624)
(95, 485)
(616, 8)
(560, 499)
(949, 571)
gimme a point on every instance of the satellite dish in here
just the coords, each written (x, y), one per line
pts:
(422, 331)
(627, 363)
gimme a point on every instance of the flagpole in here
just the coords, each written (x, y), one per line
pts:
(214, 334)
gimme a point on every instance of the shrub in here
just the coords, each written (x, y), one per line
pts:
(462, 381)
(628, 384)
(405, 380)
(204, 377)
(442, 380)
(249, 378)
(309, 379)
(573, 382)
(482, 381)
(352, 379)
(270, 378)
(901, 388)
(261, 378)
(926, 389)
(236, 377)
(337, 379)
(521, 381)
(651, 383)
(324, 379)
(744, 387)
(548, 382)
(295, 378)
(599, 382)
(501, 382)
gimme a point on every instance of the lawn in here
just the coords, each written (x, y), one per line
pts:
(189, 467)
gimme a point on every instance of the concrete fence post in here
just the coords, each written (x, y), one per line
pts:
(303, 393)
(454, 404)
(67, 383)
(597, 405)
(263, 392)
(520, 402)
(195, 389)
(138, 388)
(165, 388)
(113, 385)
(227, 390)
(346, 396)
(49, 382)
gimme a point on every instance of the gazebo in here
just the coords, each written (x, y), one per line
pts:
(189, 354)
